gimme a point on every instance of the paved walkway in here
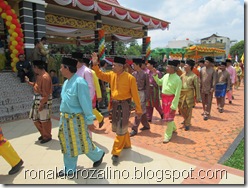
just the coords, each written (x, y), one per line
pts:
(190, 158)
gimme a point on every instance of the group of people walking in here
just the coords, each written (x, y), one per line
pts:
(143, 85)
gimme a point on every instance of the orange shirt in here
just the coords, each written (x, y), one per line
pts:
(43, 86)
(195, 70)
(122, 86)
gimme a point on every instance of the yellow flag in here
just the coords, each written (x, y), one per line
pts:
(242, 58)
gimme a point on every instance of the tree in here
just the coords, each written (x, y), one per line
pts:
(134, 49)
(238, 49)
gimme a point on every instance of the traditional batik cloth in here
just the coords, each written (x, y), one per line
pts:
(76, 116)
(43, 115)
(120, 116)
(169, 114)
(187, 99)
(73, 135)
(220, 89)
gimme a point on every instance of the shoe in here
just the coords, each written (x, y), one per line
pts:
(144, 128)
(162, 116)
(232, 97)
(150, 121)
(230, 102)
(16, 168)
(186, 128)
(205, 118)
(40, 138)
(115, 158)
(166, 140)
(45, 141)
(101, 123)
(133, 133)
(97, 163)
(221, 110)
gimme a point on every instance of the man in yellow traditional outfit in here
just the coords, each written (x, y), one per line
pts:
(9, 154)
(190, 88)
(123, 89)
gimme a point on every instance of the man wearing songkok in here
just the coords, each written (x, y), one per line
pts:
(154, 99)
(123, 89)
(223, 83)
(75, 119)
(143, 88)
(207, 86)
(171, 88)
(190, 89)
(233, 76)
(9, 154)
(41, 109)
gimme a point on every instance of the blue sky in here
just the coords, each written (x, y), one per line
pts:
(193, 19)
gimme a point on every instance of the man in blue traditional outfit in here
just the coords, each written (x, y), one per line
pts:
(75, 118)
(223, 85)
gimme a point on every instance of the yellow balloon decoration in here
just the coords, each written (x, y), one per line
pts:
(12, 56)
(14, 34)
(12, 26)
(15, 52)
(12, 47)
(14, 30)
(9, 18)
(3, 15)
(15, 59)
(14, 43)
(11, 38)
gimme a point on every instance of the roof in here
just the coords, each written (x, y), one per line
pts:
(114, 2)
(111, 9)
(213, 35)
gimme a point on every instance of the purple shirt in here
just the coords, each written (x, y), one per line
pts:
(232, 73)
(151, 79)
(86, 73)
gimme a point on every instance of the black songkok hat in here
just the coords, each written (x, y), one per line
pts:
(201, 61)
(86, 61)
(176, 61)
(210, 59)
(152, 62)
(120, 60)
(38, 62)
(137, 61)
(69, 61)
(228, 61)
(173, 62)
(77, 55)
(223, 63)
(190, 62)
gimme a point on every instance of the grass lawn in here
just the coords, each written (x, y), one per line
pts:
(237, 160)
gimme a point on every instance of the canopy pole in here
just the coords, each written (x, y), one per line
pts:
(145, 30)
